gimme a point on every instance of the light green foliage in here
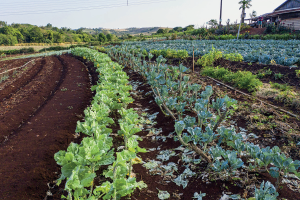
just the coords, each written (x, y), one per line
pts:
(282, 87)
(297, 73)
(210, 58)
(81, 161)
(233, 57)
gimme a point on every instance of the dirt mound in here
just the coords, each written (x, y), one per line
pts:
(254, 31)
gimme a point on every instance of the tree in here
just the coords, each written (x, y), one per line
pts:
(178, 29)
(189, 28)
(102, 38)
(36, 35)
(49, 25)
(111, 37)
(253, 14)
(213, 23)
(3, 23)
(244, 4)
(161, 31)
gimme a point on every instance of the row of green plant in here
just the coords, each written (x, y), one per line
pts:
(240, 79)
(222, 148)
(208, 59)
(170, 53)
(17, 51)
(59, 48)
(81, 162)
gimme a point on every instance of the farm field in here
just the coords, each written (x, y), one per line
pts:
(144, 122)
(263, 51)
(40, 105)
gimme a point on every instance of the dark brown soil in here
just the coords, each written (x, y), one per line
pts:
(38, 120)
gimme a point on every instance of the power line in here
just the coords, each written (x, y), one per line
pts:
(59, 3)
(85, 8)
(79, 8)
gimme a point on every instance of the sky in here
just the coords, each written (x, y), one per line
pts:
(116, 14)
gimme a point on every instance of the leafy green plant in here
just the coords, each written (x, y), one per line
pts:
(210, 58)
(81, 161)
(233, 57)
(297, 73)
(266, 192)
(199, 196)
(241, 79)
(282, 87)
(278, 76)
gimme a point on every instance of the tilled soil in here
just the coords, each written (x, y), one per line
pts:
(37, 120)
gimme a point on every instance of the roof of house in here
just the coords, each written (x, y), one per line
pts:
(288, 4)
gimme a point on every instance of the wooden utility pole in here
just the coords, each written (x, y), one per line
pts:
(193, 60)
(220, 23)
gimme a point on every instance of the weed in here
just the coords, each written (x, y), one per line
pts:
(278, 76)
(282, 87)
(273, 62)
(210, 58)
(64, 89)
(297, 73)
(70, 107)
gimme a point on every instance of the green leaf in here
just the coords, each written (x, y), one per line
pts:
(67, 169)
(87, 179)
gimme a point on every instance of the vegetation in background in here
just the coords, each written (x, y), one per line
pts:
(25, 33)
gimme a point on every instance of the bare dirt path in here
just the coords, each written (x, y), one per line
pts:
(26, 157)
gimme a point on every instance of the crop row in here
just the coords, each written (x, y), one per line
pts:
(81, 163)
(263, 51)
(221, 147)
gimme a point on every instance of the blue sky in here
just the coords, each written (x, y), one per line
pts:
(115, 14)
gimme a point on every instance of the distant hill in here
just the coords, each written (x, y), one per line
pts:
(120, 32)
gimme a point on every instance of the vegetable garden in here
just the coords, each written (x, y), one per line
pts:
(161, 127)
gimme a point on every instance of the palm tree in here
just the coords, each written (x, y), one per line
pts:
(253, 15)
(244, 4)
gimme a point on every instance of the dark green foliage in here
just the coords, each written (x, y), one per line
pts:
(26, 33)
(102, 38)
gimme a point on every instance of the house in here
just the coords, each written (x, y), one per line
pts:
(288, 13)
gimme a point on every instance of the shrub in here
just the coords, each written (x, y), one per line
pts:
(210, 58)
(297, 73)
(234, 57)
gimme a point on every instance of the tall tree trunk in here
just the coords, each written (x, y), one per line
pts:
(243, 16)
